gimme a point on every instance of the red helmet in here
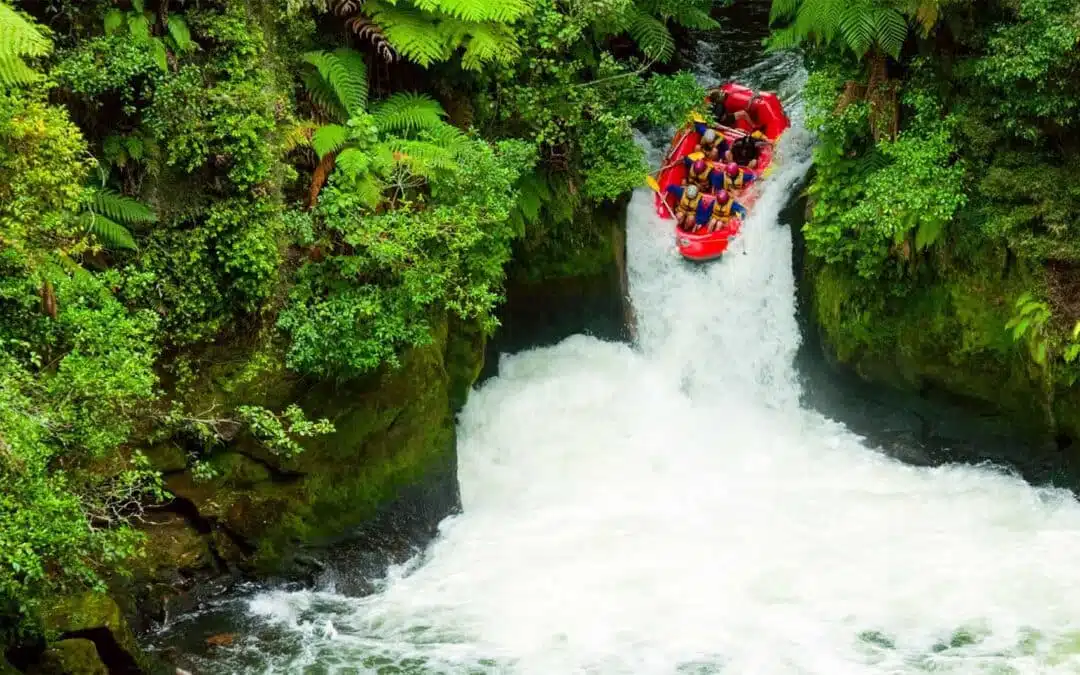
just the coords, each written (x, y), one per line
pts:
(722, 196)
(699, 166)
(733, 169)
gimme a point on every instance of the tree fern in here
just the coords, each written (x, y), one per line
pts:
(890, 31)
(412, 33)
(368, 30)
(118, 207)
(488, 43)
(862, 25)
(688, 13)
(299, 135)
(329, 138)
(370, 190)
(820, 19)
(501, 11)
(344, 73)
(353, 162)
(19, 39)
(407, 112)
(694, 17)
(652, 36)
(110, 233)
(323, 97)
(422, 157)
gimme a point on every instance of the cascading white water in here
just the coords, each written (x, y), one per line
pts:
(670, 508)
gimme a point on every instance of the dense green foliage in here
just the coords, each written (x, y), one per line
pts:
(314, 185)
(947, 182)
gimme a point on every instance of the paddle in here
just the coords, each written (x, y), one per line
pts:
(656, 188)
(662, 169)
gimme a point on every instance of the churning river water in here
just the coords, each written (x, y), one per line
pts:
(670, 507)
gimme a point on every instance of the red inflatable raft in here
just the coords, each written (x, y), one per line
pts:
(763, 107)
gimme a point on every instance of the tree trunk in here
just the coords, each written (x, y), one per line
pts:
(318, 178)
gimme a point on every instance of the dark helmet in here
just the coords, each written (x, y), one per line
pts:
(733, 169)
(723, 196)
(699, 166)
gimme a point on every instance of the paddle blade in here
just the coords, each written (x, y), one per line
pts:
(696, 117)
(651, 182)
(695, 156)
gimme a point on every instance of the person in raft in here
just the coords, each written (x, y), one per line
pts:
(710, 140)
(736, 177)
(704, 173)
(744, 151)
(722, 209)
(692, 211)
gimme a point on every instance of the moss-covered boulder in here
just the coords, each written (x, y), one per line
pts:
(71, 657)
(97, 618)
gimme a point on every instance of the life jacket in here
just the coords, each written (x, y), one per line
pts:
(701, 178)
(686, 204)
(722, 210)
(736, 182)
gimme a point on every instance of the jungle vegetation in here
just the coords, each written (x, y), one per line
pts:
(315, 180)
(944, 229)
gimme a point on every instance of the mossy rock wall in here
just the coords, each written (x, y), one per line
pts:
(264, 514)
(568, 279)
(948, 336)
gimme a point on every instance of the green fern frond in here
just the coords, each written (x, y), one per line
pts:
(345, 73)
(857, 29)
(299, 136)
(782, 9)
(323, 96)
(652, 36)
(120, 208)
(890, 31)
(422, 157)
(487, 43)
(533, 193)
(14, 71)
(382, 159)
(328, 138)
(500, 11)
(180, 33)
(456, 143)
(407, 112)
(783, 38)
(19, 39)
(821, 19)
(110, 233)
(413, 34)
(353, 162)
(689, 16)
(369, 190)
